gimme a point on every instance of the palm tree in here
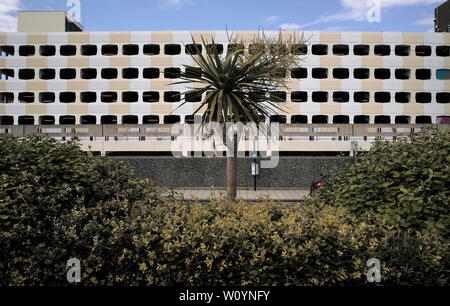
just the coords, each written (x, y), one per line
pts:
(238, 86)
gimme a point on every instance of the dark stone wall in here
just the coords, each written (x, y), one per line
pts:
(292, 172)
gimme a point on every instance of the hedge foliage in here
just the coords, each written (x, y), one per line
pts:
(64, 203)
(407, 182)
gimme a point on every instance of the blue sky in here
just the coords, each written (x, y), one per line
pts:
(307, 15)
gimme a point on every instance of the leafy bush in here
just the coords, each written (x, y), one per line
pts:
(64, 203)
(406, 181)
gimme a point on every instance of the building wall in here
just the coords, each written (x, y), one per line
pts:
(413, 111)
(442, 15)
(51, 21)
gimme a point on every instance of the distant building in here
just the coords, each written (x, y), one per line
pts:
(47, 21)
(442, 17)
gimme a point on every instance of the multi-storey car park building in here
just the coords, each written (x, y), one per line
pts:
(346, 79)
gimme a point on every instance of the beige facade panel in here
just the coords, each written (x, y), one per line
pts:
(372, 108)
(415, 62)
(413, 85)
(372, 37)
(331, 108)
(36, 85)
(413, 38)
(78, 37)
(162, 36)
(161, 108)
(330, 84)
(120, 37)
(162, 61)
(161, 84)
(33, 62)
(3, 38)
(120, 61)
(78, 85)
(334, 61)
(119, 109)
(413, 109)
(37, 38)
(36, 109)
(121, 85)
(78, 61)
(372, 61)
(2, 85)
(78, 108)
(372, 85)
(330, 37)
(2, 109)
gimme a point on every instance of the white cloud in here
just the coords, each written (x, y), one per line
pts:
(271, 19)
(426, 21)
(8, 18)
(356, 10)
(177, 4)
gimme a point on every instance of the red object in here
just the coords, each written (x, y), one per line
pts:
(319, 185)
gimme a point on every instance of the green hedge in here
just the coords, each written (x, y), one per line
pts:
(64, 203)
(406, 181)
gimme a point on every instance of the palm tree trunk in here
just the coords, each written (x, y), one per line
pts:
(232, 167)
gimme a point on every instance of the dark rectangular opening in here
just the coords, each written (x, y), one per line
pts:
(108, 119)
(278, 49)
(382, 50)
(423, 74)
(109, 73)
(341, 119)
(423, 50)
(402, 119)
(402, 97)
(319, 119)
(423, 97)
(150, 119)
(68, 74)
(361, 96)
(299, 49)
(341, 73)
(47, 120)
(382, 97)
(423, 120)
(6, 120)
(382, 119)
(193, 49)
(172, 73)
(88, 73)
(130, 49)
(320, 73)
(190, 119)
(402, 74)
(443, 50)
(130, 119)
(151, 49)
(299, 119)
(443, 97)
(361, 119)
(89, 97)
(151, 73)
(299, 96)
(172, 96)
(26, 74)
(26, 120)
(319, 49)
(67, 97)
(214, 48)
(47, 97)
(27, 50)
(130, 96)
(26, 97)
(47, 50)
(9, 50)
(68, 50)
(382, 73)
(67, 120)
(320, 96)
(281, 119)
(278, 96)
(237, 48)
(6, 97)
(402, 50)
(172, 49)
(361, 73)
(89, 50)
(341, 96)
(108, 97)
(6, 73)
(110, 50)
(193, 98)
(150, 96)
(299, 73)
(47, 74)
(255, 48)
(340, 50)
(171, 119)
(88, 119)
(443, 74)
(193, 72)
(130, 73)
(361, 50)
